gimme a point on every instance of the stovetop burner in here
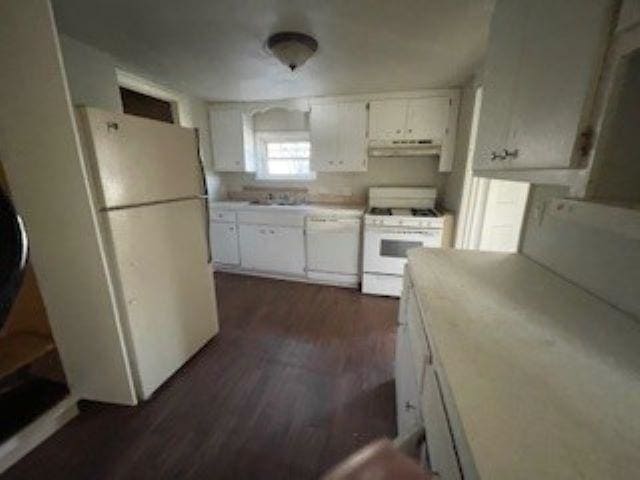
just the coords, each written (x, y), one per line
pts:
(380, 211)
(404, 212)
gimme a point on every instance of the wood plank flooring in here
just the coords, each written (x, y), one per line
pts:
(299, 377)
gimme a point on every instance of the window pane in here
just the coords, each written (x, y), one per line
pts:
(288, 149)
(288, 158)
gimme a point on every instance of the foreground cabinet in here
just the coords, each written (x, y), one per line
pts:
(420, 397)
(542, 65)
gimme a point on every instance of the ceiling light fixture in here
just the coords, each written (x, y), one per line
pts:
(292, 48)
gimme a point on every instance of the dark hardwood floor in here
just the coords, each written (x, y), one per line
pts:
(299, 377)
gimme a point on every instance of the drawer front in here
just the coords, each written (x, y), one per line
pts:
(441, 453)
(284, 219)
(223, 216)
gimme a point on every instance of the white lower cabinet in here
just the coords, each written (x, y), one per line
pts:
(224, 243)
(271, 248)
(407, 393)
(418, 385)
(441, 453)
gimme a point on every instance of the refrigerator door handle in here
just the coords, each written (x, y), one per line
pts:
(205, 197)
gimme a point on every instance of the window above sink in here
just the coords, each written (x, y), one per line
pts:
(284, 156)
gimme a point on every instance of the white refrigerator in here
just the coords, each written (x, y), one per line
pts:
(149, 195)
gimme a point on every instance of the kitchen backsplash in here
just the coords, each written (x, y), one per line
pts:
(296, 195)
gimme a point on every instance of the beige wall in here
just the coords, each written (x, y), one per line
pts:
(602, 262)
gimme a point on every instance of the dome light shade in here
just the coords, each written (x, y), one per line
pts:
(292, 48)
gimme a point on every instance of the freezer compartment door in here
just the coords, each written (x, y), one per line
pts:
(166, 286)
(135, 160)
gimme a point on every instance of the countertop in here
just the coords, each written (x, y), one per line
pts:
(306, 208)
(545, 377)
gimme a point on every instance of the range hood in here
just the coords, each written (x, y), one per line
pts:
(404, 148)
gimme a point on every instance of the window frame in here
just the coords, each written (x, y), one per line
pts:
(263, 138)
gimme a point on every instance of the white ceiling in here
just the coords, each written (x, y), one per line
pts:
(215, 48)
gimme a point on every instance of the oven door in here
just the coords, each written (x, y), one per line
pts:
(385, 249)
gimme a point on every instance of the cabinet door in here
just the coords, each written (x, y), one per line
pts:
(224, 243)
(441, 451)
(287, 247)
(352, 133)
(323, 124)
(427, 118)
(252, 246)
(227, 131)
(407, 396)
(272, 249)
(387, 119)
(562, 52)
(500, 72)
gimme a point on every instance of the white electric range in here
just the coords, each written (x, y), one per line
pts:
(397, 220)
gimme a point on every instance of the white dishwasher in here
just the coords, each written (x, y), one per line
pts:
(333, 249)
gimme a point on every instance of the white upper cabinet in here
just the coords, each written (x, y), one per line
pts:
(232, 136)
(540, 76)
(428, 118)
(352, 136)
(409, 119)
(387, 119)
(338, 137)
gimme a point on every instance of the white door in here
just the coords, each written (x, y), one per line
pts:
(387, 119)
(427, 118)
(224, 243)
(505, 207)
(352, 136)
(166, 286)
(227, 132)
(272, 249)
(323, 125)
(136, 160)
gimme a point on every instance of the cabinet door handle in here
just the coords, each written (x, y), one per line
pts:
(510, 153)
(409, 406)
(496, 156)
(231, 229)
(272, 231)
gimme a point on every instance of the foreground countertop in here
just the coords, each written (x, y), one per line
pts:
(305, 209)
(544, 376)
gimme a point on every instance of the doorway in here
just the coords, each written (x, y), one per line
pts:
(491, 211)
(142, 105)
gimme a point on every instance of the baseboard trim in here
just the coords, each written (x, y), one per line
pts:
(16, 447)
(280, 276)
